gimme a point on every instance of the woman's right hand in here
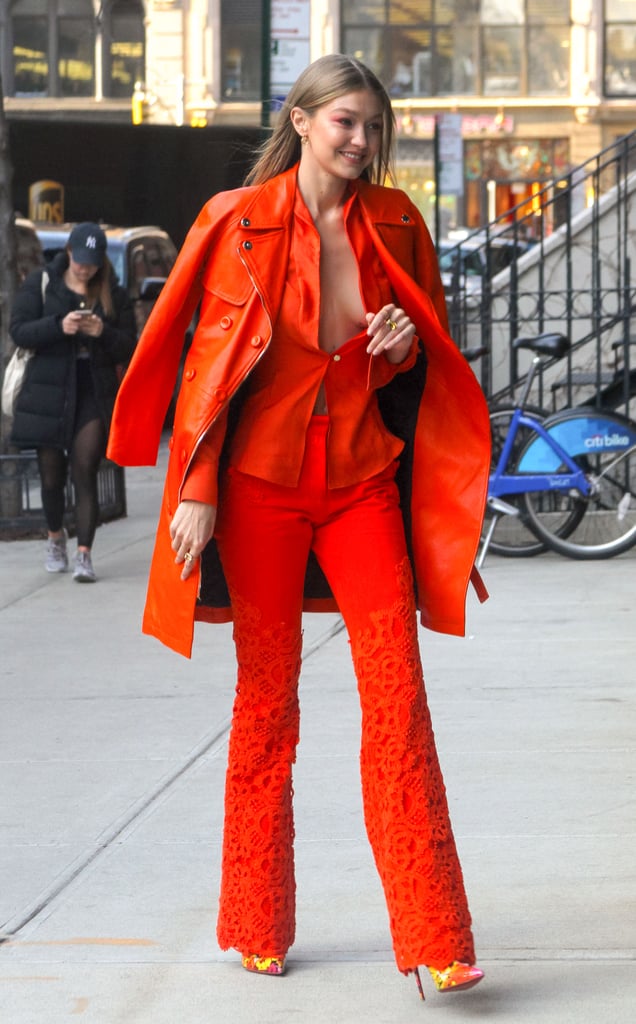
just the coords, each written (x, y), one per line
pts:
(191, 528)
(72, 322)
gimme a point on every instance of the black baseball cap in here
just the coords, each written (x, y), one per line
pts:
(87, 243)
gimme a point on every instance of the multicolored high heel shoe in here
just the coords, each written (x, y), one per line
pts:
(454, 977)
(263, 964)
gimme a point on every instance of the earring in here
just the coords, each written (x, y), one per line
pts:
(304, 140)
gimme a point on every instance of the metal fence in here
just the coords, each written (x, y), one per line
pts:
(569, 251)
(21, 513)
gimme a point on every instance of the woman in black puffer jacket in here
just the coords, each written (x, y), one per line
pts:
(80, 325)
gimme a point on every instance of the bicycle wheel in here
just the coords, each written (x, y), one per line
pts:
(607, 526)
(512, 536)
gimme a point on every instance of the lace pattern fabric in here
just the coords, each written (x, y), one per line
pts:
(257, 904)
(406, 811)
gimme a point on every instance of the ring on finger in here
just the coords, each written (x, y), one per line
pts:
(391, 323)
(188, 558)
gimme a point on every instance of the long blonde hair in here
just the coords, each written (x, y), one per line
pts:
(323, 81)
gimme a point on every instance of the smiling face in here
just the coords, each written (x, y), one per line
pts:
(343, 136)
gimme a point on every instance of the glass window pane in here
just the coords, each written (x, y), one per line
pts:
(457, 60)
(549, 61)
(127, 40)
(545, 12)
(410, 12)
(502, 12)
(76, 57)
(74, 8)
(411, 71)
(241, 49)
(23, 7)
(371, 12)
(368, 46)
(502, 49)
(30, 56)
(459, 11)
(620, 10)
(620, 60)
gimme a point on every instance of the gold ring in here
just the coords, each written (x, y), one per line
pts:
(188, 557)
(391, 323)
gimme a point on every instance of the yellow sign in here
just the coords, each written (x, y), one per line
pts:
(46, 202)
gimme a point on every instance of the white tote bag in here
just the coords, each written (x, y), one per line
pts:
(16, 368)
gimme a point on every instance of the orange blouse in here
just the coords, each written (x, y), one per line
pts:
(269, 440)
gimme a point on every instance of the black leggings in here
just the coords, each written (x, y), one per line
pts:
(85, 455)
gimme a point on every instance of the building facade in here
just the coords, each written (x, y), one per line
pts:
(536, 86)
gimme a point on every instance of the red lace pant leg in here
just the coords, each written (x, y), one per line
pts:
(363, 554)
(406, 810)
(264, 553)
(257, 902)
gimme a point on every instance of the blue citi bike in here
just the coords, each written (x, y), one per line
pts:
(565, 481)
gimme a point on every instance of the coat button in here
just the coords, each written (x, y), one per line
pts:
(256, 341)
(245, 222)
(171, 443)
(220, 394)
(190, 374)
(247, 245)
(225, 322)
(184, 455)
(405, 218)
(337, 358)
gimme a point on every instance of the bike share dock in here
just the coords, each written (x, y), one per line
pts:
(113, 757)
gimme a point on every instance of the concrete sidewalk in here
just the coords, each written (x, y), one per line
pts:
(112, 762)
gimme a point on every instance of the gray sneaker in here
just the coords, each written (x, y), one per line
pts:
(83, 571)
(56, 556)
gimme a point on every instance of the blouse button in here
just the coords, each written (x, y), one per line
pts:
(405, 218)
(337, 358)
(184, 455)
(190, 374)
(256, 341)
(247, 245)
(225, 322)
(220, 394)
(245, 222)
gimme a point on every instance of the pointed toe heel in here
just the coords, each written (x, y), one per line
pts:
(456, 976)
(453, 978)
(256, 964)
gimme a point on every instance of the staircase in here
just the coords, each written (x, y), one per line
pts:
(574, 277)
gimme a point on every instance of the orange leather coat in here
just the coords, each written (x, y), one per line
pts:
(234, 261)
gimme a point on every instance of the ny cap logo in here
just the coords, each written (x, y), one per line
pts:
(91, 242)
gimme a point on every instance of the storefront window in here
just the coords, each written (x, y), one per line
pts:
(620, 48)
(241, 50)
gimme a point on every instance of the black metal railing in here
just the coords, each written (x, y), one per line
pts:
(569, 252)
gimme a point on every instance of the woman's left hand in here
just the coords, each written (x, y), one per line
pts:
(92, 325)
(390, 331)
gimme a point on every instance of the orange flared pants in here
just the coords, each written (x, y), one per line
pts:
(265, 533)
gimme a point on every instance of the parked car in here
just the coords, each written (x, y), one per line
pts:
(466, 262)
(29, 248)
(142, 258)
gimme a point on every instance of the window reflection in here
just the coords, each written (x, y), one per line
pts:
(620, 59)
(30, 56)
(463, 47)
(76, 57)
(52, 43)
